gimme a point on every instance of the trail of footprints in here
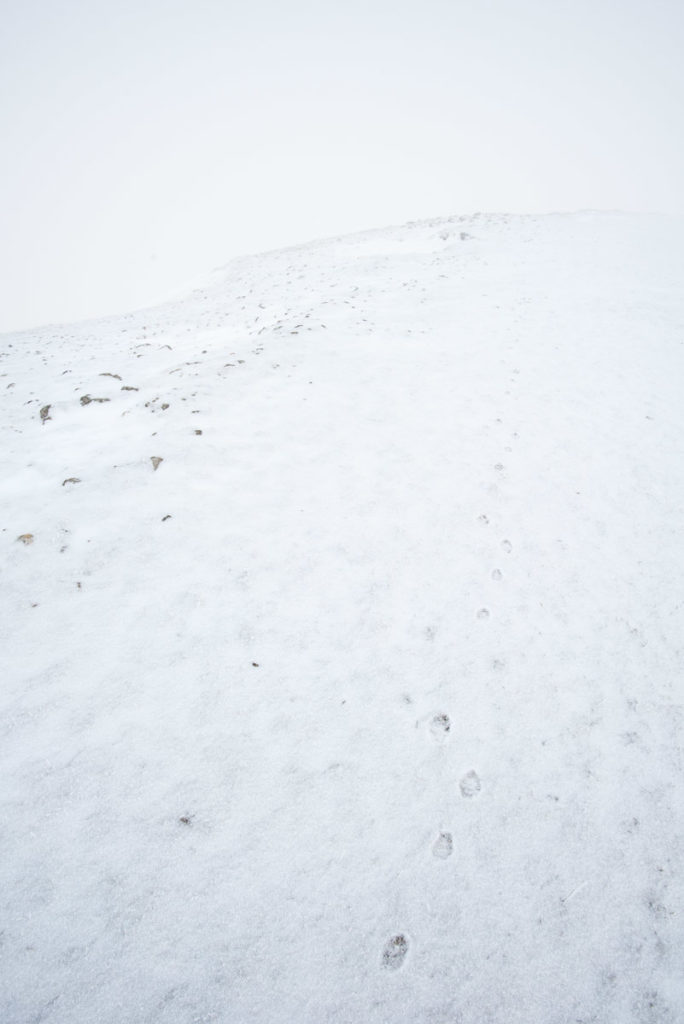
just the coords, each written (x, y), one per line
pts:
(396, 947)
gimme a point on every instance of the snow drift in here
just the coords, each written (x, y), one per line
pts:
(342, 638)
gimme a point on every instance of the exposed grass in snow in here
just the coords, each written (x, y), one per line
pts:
(342, 638)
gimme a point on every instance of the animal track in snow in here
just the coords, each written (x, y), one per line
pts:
(470, 784)
(507, 546)
(483, 613)
(497, 574)
(443, 846)
(440, 726)
(394, 953)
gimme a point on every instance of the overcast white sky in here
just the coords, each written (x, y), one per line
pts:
(144, 143)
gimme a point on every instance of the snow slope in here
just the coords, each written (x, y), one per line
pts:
(365, 704)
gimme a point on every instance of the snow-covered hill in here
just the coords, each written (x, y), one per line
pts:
(342, 634)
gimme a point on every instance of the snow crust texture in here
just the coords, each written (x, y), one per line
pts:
(342, 628)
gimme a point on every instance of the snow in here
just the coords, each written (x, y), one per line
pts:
(365, 704)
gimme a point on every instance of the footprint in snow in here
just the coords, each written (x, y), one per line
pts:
(443, 846)
(394, 953)
(497, 574)
(507, 546)
(470, 784)
(440, 727)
